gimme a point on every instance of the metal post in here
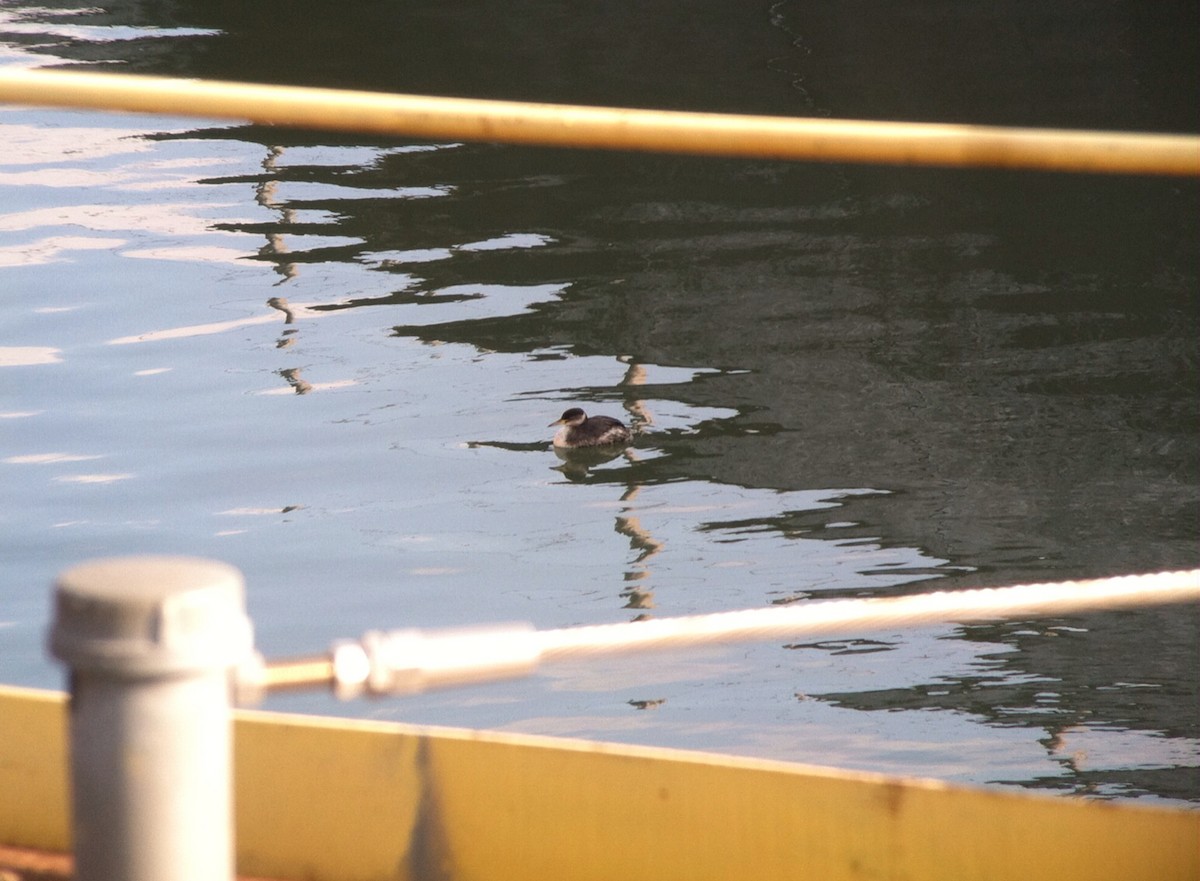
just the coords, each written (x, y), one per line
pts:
(151, 643)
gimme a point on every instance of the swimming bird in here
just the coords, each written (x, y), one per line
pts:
(580, 430)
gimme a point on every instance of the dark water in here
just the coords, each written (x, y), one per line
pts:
(852, 381)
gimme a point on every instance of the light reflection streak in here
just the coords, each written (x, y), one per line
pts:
(92, 478)
(15, 22)
(57, 178)
(389, 259)
(191, 254)
(52, 249)
(29, 356)
(50, 458)
(255, 512)
(195, 330)
(41, 145)
(164, 218)
(301, 387)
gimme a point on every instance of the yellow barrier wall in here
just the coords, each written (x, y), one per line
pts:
(332, 799)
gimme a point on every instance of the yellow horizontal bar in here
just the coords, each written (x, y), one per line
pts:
(362, 801)
(709, 134)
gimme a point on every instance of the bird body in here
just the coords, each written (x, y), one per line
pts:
(580, 430)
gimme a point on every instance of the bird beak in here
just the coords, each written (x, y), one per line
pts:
(554, 423)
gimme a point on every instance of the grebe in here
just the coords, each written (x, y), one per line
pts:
(580, 430)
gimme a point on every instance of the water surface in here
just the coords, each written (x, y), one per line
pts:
(331, 362)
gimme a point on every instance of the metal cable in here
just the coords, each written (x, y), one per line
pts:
(823, 616)
(410, 661)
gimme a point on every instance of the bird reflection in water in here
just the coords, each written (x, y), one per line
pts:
(607, 439)
(578, 461)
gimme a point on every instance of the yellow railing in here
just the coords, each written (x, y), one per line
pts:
(709, 134)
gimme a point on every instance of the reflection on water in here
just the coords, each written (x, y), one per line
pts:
(331, 363)
(1030, 679)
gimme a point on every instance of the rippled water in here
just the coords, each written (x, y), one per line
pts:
(331, 362)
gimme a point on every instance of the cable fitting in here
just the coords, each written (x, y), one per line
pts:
(412, 661)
